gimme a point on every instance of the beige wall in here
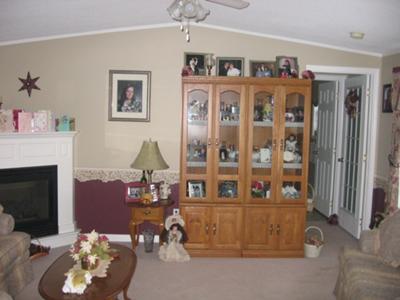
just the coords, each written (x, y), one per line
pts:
(385, 120)
(74, 80)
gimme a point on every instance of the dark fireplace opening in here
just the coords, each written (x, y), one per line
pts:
(30, 196)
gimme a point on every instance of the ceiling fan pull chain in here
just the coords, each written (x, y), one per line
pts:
(187, 31)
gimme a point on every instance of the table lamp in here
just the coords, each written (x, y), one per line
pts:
(149, 159)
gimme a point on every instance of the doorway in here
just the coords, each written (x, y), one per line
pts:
(341, 157)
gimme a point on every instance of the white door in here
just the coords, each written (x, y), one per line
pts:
(325, 147)
(353, 156)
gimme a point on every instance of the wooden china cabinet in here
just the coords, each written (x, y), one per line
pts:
(244, 163)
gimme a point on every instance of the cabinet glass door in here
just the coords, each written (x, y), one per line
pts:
(228, 140)
(198, 139)
(293, 146)
(262, 143)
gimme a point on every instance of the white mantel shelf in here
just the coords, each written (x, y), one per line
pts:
(33, 135)
(19, 150)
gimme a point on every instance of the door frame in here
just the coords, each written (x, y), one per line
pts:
(373, 82)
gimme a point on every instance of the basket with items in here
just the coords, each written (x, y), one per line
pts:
(313, 243)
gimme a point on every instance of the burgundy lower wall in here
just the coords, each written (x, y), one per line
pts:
(101, 206)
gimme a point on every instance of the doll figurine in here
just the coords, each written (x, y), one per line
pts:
(173, 236)
(291, 143)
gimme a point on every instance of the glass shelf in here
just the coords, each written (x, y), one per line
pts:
(198, 122)
(196, 164)
(263, 124)
(229, 123)
(228, 164)
(294, 124)
(260, 165)
(292, 165)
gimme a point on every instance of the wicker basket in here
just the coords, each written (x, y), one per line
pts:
(310, 250)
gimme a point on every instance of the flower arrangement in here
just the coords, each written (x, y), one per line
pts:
(90, 248)
(314, 240)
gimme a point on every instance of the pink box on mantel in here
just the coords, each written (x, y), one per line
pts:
(25, 122)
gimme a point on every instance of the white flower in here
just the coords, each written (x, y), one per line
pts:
(75, 256)
(86, 247)
(92, 259)
(93, 236)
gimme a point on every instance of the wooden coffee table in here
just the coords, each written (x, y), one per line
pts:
(119, 275)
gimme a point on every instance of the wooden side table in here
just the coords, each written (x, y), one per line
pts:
(152, 213)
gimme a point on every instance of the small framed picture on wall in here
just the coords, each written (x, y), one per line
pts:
(387, 98)
(230, 66)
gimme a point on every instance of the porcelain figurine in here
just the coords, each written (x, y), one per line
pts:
(165, 191)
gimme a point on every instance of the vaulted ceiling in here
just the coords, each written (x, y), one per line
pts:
(319, 22)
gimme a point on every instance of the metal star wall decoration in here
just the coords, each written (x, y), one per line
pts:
(29, 84)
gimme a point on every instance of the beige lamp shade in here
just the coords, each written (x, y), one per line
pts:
(149, 158)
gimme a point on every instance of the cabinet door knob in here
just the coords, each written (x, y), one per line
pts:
(271, 229)
(209, 142)
(274, 144)
(206, 228)
(278, 229)
(216, 142)
(214, 229)
(147, 212)
(281, 144)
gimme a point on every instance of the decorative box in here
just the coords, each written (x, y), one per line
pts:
(6, 121)
(25, 122)
(63, 124)
(41, 121)
(15, 118)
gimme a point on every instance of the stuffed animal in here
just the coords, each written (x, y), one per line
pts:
(173, 236)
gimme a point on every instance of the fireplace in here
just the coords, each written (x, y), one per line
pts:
(30, 196)
(45, 149)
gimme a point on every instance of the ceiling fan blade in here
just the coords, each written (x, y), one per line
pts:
(238, 4)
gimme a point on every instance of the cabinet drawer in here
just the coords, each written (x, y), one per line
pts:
(147, 213)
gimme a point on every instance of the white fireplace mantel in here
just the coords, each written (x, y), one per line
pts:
(19, 150)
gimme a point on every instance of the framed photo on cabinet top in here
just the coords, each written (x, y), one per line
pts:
(129, 96)
(287, 67)
(262, 68)
(196, 62)
(230, 66)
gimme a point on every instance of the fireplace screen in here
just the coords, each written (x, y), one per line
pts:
(30, 196)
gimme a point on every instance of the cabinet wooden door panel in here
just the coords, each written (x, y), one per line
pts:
(196, 226)
(259, 229)
(291, 231)
(226, 228)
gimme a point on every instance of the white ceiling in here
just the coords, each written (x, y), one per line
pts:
(321, 22)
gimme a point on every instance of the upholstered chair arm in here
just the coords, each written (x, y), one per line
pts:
(369, 241)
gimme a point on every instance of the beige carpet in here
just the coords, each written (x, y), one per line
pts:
(227, 278)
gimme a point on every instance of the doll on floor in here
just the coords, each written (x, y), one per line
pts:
(173, 236)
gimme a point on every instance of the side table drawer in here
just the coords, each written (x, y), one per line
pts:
(148, 213)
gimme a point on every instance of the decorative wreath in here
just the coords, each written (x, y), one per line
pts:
(351, 103)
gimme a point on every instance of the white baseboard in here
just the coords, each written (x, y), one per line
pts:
(66, 239)
(127, 238)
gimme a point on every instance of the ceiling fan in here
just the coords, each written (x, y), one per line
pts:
(186, 10)
(238, 4)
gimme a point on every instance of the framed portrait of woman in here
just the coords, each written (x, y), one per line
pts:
(129, 96)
